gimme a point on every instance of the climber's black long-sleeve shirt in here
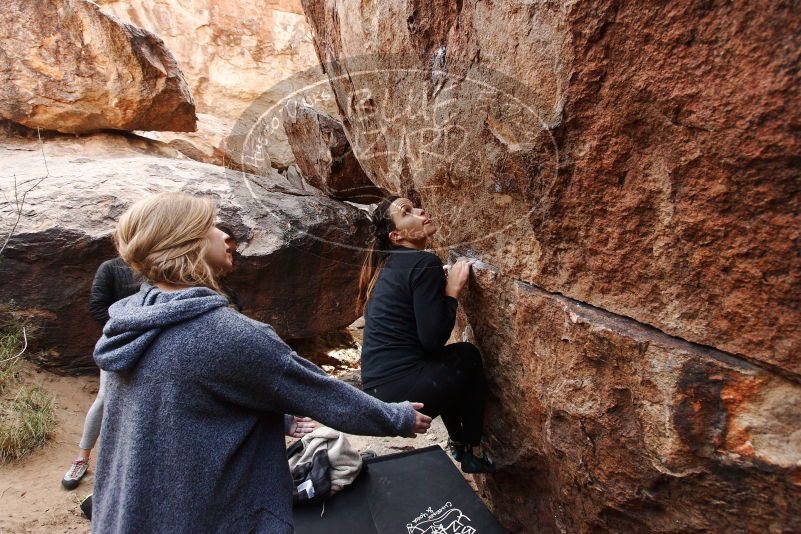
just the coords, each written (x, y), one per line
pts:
(407, 318)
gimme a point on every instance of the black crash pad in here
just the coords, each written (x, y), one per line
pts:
(415, 492)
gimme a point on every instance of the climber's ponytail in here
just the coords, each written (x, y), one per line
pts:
(380, 247)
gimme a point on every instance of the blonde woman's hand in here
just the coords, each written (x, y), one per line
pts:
(458, 275)
(422, 422)
(301, 426)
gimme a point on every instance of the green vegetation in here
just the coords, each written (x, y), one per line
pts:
(11, 342)
(25, 422)
(26, 413)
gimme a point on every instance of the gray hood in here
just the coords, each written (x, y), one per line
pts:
(136, 321)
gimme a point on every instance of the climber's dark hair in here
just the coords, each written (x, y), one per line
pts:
(378, 251)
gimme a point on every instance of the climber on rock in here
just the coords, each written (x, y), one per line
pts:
(409, 305)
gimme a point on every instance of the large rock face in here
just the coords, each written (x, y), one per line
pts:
(639, 160)
(642, 161)
(234, 54)
(603, 424)
(296, 264)
(66, 66)
(324, 156)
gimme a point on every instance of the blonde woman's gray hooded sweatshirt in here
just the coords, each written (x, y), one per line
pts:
(193, 426)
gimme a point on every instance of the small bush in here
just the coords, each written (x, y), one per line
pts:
(25, 422)
(26, 413)
(11, 343)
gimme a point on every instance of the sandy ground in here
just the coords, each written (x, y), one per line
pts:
(31, 496)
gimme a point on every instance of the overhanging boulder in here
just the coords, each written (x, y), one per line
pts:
(67, 66)
(298, 259)
(324, 156)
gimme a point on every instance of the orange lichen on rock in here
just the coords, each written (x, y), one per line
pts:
(737, 396)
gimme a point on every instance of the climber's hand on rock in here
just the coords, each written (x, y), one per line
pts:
(458, 276)
(422, 422)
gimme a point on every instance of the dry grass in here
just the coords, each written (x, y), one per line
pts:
(11, 343)
(26, 413)
(25, 422)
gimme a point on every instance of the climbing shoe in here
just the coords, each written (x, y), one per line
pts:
(456, 449)
(368, 455)
(86, 507)
(473, 464)
(75, 473)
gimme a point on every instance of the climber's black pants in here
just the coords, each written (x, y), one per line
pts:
(449, 383)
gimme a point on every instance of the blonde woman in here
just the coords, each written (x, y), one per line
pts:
(193, 428)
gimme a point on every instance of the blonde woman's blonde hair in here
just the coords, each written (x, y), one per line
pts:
(164, 238)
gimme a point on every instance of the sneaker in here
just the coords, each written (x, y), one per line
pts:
(482, 464)
(75, 473)
(456, 449)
